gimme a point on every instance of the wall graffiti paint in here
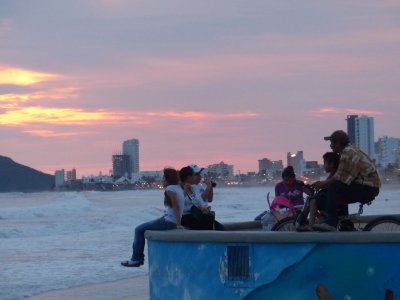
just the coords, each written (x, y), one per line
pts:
(189, 270)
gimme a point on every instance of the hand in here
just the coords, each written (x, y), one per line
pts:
(207, 182)
(187, 188)
(318, 184)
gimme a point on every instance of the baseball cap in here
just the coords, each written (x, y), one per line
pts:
(338, 136)
(196, 168)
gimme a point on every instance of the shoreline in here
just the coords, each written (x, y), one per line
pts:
(131, 288)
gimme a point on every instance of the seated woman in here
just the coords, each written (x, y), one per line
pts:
(195, 216)
(291, 188)
(174, 200)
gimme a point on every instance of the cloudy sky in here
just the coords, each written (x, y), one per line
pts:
(195, 81)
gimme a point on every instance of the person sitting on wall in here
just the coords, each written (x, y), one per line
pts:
(195, 216)
(174, 200)
(205, 194)
(356, 178)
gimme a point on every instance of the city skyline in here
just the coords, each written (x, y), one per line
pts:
(199, 82)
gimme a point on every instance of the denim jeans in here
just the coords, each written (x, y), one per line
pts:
(353, 193)
(139, 240)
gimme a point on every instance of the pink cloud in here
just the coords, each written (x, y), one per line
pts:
(52, 134)
(321, 112)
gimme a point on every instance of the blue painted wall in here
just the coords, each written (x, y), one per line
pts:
(199, 270)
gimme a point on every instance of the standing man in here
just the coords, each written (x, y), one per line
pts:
(356, 178)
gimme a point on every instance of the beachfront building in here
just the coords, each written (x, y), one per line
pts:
(221, 170)
(131, 149)
(59, 177)
(361, 133)
(312, 171)
(91, 179)
(296, 160)
(269, 168)
(120, 165)
(388, 151)
(71, 175)
(156, 175)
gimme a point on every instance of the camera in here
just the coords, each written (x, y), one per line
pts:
(213, 184)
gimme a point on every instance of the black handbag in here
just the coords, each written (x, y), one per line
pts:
(200, 215)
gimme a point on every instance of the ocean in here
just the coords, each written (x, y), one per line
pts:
(58, 240)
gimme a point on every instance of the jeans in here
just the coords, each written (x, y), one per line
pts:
(139, 240)
(353, 193)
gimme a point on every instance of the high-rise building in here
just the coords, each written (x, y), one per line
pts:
(71, 175)
(131, 149)
(268, 167)
(296, 160)
(120, 165)
(59, 177)
(263, 165)
(361, 133)
(388, 151)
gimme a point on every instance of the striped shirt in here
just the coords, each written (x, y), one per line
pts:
(355, 166)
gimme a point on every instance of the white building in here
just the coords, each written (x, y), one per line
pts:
(221, 170)
(154, 174)
(131, 148)
(361, 133)
(268, 167)
(388, 151)
(296, 160)
(97, 179)
(59, 177)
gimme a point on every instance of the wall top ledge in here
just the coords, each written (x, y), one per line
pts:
(269, 237)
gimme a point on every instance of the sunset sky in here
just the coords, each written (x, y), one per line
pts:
(194, 81)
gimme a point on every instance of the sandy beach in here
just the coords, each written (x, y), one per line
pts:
(132, 288)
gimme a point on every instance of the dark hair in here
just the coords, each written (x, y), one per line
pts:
(171, 176)
(184, 173)
(331, 158)
(288, 172)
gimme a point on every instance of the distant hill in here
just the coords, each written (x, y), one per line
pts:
(15, 177)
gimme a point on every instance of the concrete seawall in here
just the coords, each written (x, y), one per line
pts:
(187, 264)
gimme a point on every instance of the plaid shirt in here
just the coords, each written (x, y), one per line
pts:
(355, 166)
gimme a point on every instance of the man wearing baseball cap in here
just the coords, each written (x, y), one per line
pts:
(356, 178)
(206, 194)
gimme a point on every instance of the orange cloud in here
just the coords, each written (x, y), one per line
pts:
(58, 116)
(74, 116)
(201, 115)
(344, 111)
(50, 133)
(17, 76)
(14, 100)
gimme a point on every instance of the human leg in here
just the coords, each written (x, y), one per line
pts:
(139, 240)
(313, 212)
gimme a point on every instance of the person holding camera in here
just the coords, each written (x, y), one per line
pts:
(204, 194)
(197, 198)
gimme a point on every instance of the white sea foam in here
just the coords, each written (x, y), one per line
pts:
(51, 241)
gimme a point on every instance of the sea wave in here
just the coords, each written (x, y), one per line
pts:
(57, 204)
